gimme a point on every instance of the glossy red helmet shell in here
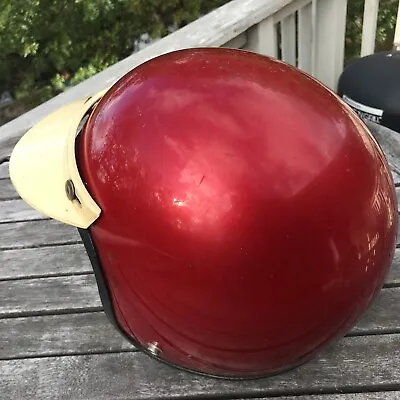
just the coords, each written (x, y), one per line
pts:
(248, 216)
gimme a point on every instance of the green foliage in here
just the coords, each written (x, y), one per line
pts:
(47, 46)
(385, 27)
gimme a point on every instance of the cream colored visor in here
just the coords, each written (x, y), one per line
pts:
(44, 171)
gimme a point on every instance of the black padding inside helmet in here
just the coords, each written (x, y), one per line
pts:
(102, 287)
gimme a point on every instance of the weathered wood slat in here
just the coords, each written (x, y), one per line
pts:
(7, 191)
(351, 364)
(305, 23)
(398, 197)
(396, 178)
(44, 261)
(393, 277)
(36, 233)
(4, 170)
(390, 143)
(8, 140)
(238, 42)
(48, 295)
(18, 210)
(395, 395)
(383, 316)
(288, 28)
(59, 335)
(72, 333)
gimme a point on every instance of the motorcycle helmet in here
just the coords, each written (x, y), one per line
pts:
(371, 86)
(238, 215)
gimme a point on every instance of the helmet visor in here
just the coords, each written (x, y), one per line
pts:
(43, 167)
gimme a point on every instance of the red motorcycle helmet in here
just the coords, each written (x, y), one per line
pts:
(239, 216)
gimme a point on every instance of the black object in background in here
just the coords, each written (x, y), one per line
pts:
(371, 86)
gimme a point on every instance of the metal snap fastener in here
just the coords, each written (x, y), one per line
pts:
(70, 190)
(153, 348)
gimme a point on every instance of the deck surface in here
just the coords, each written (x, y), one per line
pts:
(55, 342)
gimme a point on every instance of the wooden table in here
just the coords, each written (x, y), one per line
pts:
(55, 342)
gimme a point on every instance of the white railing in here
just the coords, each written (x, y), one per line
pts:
(309, 34)
(371, 9)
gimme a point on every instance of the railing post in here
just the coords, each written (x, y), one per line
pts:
(262, 38)
(306, 38)
(371, 8)
(314, 36)
(330, 40)
(288, 26)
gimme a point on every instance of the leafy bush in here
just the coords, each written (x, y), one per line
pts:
(385, 30)
(48, 45)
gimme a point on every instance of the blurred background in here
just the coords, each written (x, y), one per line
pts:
(48, 46)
